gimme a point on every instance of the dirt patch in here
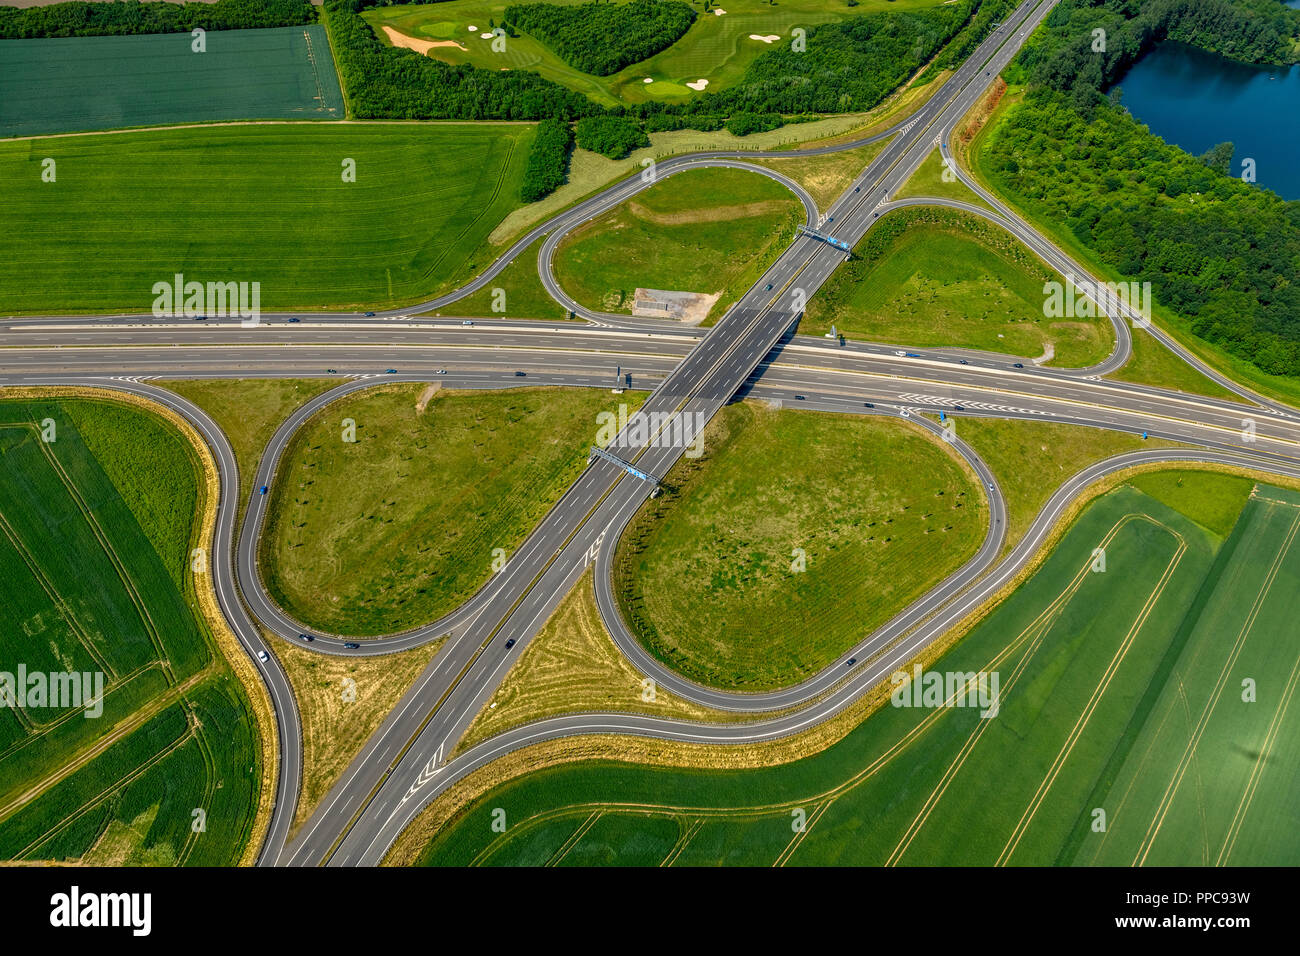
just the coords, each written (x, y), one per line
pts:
(691, 308)
(981, 114)
(419, 46)
(425, 397)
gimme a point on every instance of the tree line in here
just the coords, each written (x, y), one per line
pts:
(1221, 253)
(131, 17)
(603, 38)
(548, 160)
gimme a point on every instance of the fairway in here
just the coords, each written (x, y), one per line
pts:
(96, 530)
(264, 204)
(93, 83)
(718, 47)
(706, 231)
(1107, 701)
(401, 526)
(790, 540)
(935, 277)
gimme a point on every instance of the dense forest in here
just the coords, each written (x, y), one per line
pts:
(548, 160)
(1222, 253)
(123, 17)
(612, 136)
(383, 82)
(602, 38)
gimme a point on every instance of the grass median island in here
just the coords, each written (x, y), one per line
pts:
(707, 231)
(401, 526)
(1112, 691)
(521, 295)
(265, 204)
(248, 411)
(99, 508)
(708, 575)
(933, 180)
(827, 176)
(341, 702)
(939, 277)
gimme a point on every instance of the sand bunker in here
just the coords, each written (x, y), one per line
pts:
(718, 11)
(648, 79)
(419, 46)
(770, 38)
(698, 84)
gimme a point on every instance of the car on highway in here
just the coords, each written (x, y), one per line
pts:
(390, 371)
(868, 405)
(850, 662)
(352, 645)
(768, 287)
(467, 322)
(295, 319)
(857, 189)
(200, 318)
(1019, 365)
(307, 638)
(520, 374)
(800, 398)
(263, 490)
(370, 315)
(913, 354)
(332, 371)
(875, 215)
(959, 408)
(510, 643)
(962, 362)
(441, 371)
(900, 354)
(261, 656)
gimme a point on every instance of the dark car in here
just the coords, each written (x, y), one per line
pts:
(875, 215)
(520, 374)
(963, 362)
(332, 371)
(295, 319)
(352, 645)
(857, 189)
(306, 637)
(390, 371)
(868, 405)
(510, 643)
(850, 662)
(370, 315)
(200, 318)
(800, 398)
(263, 490)
(959, 408)
(768, 287)
(1020, 365)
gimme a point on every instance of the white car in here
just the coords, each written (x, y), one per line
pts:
(261, 656)
(467, 322)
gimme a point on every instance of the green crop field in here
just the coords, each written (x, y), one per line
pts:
(1119, 691)
(942, 278)
(717, 48)
(96, 531)
(709, 231)
(264, 204)
(708, 576)
(399, 527)
(95, 83)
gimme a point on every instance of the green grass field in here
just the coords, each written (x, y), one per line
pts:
(710, 231)
(705, 573)
(400, 527)
(1118, 691)
(95, 83)
(96, 534)
(524, 295)
(943, 278)
(717, 48)
(263, 204)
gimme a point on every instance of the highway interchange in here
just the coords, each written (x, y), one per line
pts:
(751, 351)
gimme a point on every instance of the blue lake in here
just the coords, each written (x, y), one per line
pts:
(1196, 100)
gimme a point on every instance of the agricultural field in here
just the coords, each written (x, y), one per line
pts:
(400, 527)
(98, 526)
(937, 277)
(706, 231)
(1119, 692)
(264, 204)
(96, 83)
(718, 47)
(790, 539)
